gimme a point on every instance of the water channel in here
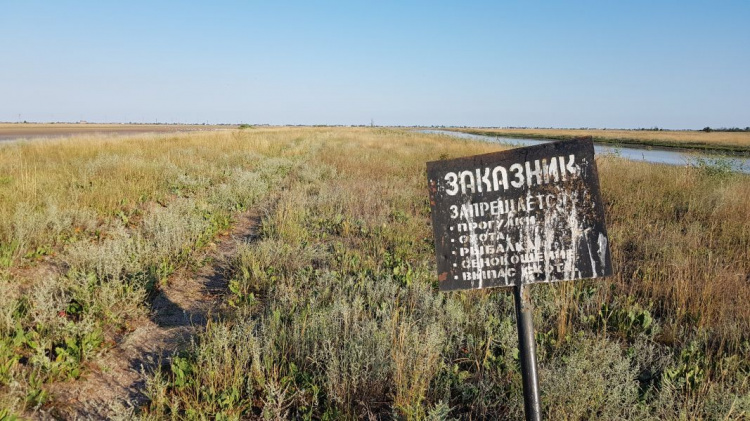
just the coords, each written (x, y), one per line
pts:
(654, 155)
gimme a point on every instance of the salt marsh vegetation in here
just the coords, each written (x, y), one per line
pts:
(333, 312)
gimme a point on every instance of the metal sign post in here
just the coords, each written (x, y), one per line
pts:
(518, 217)
(527, 351)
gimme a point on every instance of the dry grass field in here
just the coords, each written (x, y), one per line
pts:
(332, 311)
(40, 130)
(721, 141)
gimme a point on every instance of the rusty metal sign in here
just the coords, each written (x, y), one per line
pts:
(518, 217)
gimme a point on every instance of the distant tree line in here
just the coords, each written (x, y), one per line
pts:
(726, 129)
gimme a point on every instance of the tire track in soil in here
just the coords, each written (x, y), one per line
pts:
(179, 311)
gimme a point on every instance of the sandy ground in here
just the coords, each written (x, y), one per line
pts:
(9, 131)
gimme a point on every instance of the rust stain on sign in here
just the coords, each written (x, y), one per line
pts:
(516, 217)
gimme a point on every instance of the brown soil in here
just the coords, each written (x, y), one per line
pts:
(116, 382)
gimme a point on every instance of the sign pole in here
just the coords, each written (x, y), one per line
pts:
(515, 218)
(527, 348)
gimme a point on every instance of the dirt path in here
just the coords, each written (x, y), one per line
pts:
(116, 387)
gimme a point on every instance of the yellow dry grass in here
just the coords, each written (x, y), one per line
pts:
(343, 272)
(341, 299)
(28, 130)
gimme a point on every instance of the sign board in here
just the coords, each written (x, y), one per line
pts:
(521, 216)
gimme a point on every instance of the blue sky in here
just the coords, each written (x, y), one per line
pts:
(616, 64)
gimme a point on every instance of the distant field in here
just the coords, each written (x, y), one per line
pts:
(737, 142)
(10, 131)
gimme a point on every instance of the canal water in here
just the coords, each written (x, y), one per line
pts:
(659, 156)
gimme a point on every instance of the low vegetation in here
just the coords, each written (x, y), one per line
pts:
(334, 310)
(731, 141)
(91, 227)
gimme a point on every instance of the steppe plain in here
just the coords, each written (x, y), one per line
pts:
(289, 273)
